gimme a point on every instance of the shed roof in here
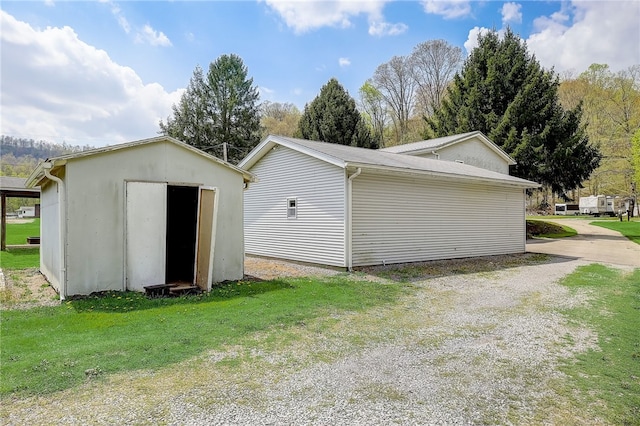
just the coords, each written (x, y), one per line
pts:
(15, 186)
(431, 145)
(38, 174)
(352, 157)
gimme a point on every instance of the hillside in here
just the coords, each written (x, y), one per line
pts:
(20, 156)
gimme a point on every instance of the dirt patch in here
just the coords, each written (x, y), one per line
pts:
(19, 221)
(269, 269)
(26, 288)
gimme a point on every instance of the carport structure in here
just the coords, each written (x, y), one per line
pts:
(12, 187)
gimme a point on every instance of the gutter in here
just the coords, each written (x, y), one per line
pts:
(520, 183)
(350, 219)
(46, 167)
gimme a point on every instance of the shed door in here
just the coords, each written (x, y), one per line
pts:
(207, 214)
(146, 234)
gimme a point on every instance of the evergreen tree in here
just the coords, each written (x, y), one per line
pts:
(218, 109)
(503, 92)
(332, 117)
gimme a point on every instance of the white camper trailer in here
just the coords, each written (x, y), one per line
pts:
(566, 209)
(597, 205)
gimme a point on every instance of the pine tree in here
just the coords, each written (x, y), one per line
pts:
(218, 111)
(503, 92)
(332, 117)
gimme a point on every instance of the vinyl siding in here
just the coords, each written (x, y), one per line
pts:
(317, 234)
(472, 152)
(400, 219)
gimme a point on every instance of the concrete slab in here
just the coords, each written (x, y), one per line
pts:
(593, 243)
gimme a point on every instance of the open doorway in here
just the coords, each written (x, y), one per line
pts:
(182, 221)
(170, 235)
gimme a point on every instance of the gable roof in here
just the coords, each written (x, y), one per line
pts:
(430, 145)
(38, 174)
(352, 157)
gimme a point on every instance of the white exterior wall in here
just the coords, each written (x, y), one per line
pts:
(473, 152)
(50, 234)
(317, 235)
(400, 219)
(96, 210)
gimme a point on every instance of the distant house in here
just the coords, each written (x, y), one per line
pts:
(142, 213)
(12, 187)
(472, 148)
(344, 206)
(28, 211)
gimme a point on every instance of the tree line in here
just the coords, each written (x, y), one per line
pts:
(21, 155)
(555, 128)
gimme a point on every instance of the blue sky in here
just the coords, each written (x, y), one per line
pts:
(105, 72)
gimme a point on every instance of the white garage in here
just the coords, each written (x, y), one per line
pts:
(343, 206)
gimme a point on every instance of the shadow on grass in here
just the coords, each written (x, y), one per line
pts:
(121, 302)
(419, 271)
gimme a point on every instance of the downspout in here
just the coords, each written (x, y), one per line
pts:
(350, 219)
(436, 155)
(61, 219)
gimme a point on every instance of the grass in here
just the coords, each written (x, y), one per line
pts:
(608, 379)
(20, 258)
(17, 233)
(540, 228)
(53, 348)
(630, 229)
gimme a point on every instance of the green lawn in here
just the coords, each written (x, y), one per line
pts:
(21, 258)
(48, 349)
(630, 229)
(607, 380)
(17, 233)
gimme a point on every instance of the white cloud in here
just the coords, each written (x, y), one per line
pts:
(472, 39)
(265, 91)
(511, 13)
(303, 16)
(385, 28)
(448, 9)
(344, 62)
(117, 13)
(586, 32)
(153, 37)
(58, 88)
(144, 35)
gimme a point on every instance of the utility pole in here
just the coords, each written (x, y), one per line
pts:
(224, 151)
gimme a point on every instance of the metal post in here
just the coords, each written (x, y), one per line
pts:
(3, 225)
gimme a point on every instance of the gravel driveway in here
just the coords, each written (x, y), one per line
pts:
(473, 348)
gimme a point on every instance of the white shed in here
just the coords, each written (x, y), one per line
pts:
(148, 212)
(344, 206)
(472, 148)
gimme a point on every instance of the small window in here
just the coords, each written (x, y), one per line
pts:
(292, 208)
